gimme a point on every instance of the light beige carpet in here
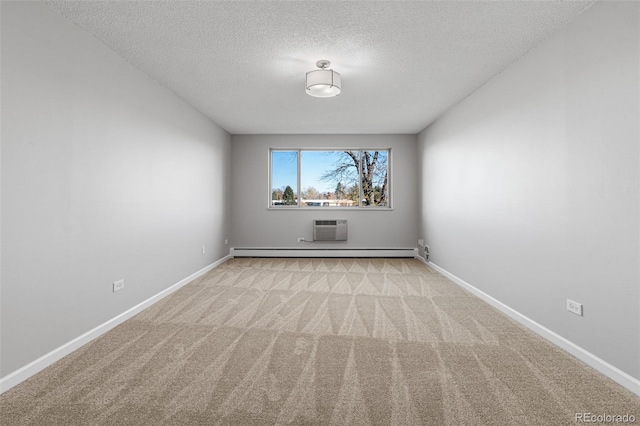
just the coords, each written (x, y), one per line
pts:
(317, 342)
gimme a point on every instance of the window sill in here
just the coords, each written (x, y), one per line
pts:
(378, 209)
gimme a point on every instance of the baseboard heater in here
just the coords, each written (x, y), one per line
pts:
(323, 252)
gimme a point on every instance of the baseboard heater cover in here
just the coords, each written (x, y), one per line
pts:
(323, 252)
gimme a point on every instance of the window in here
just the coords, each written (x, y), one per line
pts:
(329, 178)
(284, 178)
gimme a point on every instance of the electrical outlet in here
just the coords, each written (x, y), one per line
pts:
(427, 252)
(118, 285)
(421, 242)
(574, 307)
(202, 249)
(300, 240)
(226, 241)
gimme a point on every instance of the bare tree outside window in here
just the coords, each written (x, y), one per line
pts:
(374, 176)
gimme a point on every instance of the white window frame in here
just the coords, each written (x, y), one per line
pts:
(299, 151)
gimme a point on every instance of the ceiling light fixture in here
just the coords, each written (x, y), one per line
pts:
(323, 83)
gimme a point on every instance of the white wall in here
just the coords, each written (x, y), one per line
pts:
(530, 187)
(105, 176)
(254, 225)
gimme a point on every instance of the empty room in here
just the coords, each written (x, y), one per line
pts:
(319, 212)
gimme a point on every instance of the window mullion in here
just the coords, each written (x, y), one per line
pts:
(299, 177)
(360, 189)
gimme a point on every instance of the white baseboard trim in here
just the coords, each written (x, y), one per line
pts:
(583, 355)
(23, 373)
(323, 252)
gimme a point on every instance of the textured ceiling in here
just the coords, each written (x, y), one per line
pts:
(243, 63)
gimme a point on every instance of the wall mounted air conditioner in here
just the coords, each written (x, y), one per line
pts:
(329, 230)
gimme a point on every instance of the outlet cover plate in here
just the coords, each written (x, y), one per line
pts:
(574, 307)
(118, 285)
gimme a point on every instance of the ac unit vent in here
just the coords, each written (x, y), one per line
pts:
(326, 222)
(329, 230)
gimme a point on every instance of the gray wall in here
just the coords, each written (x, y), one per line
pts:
(105, 175)
(254, 225)
(530, 187)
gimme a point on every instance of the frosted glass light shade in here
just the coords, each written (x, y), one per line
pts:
(323, 83)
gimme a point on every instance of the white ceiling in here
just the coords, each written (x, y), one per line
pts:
(243, 63)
